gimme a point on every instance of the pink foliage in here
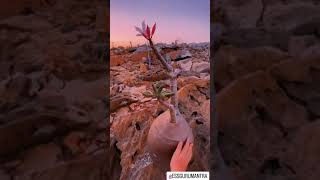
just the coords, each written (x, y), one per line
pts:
(145, 31)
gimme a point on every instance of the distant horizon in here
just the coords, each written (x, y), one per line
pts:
(113, 44)
(185, 22)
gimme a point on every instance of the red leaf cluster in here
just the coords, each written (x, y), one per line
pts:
(145, 31)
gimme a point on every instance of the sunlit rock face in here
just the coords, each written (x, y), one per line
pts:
(141, 130)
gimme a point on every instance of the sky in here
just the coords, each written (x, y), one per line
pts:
(183, 20)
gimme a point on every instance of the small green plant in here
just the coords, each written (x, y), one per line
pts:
(159, 92)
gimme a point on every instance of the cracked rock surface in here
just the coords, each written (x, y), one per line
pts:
(267, 79)
(52, 94)
(133, 114)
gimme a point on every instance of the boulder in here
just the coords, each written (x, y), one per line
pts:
(201, 67)
(184, 81)
(233, 62)
(179, 54)
(255, 116)
(191, 98)
(131, 132)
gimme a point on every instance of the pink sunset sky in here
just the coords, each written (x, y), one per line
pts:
(185, 21)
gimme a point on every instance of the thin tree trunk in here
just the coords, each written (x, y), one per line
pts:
(161, 58)
(173, 80)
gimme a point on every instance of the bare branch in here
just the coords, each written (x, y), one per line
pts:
(161, 58)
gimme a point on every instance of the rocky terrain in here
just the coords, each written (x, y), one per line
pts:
(268, 87)
(53, 108)
(52, 90)
(132, 113)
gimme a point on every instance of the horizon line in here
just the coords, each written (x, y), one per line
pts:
(137, 43)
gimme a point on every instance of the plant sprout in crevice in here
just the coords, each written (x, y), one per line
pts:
(162, 94)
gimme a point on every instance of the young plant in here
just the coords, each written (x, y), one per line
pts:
(148, 33)
(162, 94)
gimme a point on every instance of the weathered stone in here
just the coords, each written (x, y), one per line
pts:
(243, 14)
(312, 52)
(121, 100)
(179, 55)
(284, 17)
(183, 81)
(52, 99)
(185, 64)
(256, 111)
(233, 63)
(26, 23)
(303, 154)
(52, 82)
(40, 158)
(89, 168)
(45, 130)
(255, 37)
(131, 133)
(17, 87)
(267, 79)
(205, 110)
(298, 44)
(190, 100)
(201, 67)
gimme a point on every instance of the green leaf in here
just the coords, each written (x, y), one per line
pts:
(167, 94)
(148, 94)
